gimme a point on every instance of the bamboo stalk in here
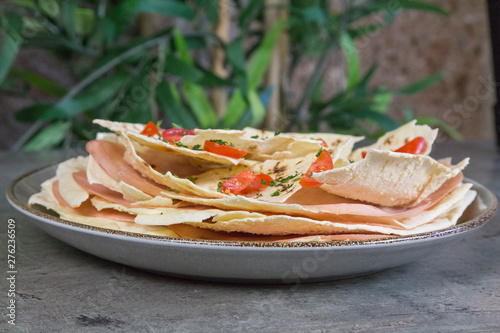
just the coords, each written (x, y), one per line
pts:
(278, 67)
(221, 30)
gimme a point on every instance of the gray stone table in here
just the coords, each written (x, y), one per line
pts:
(61, 289)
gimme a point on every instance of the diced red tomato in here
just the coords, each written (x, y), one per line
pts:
(175, 134)
(323, 162)
(246, 182)
(323, 142)
(260, 182)
(223, 149)
(150, 129)
(415, 146)
(238, 183)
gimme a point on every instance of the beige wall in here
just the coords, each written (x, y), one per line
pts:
(419, 44)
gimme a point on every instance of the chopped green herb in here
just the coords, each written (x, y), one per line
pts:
(191, 179)
(277, 133)
(219, 187)
(263, 182)
(259, 195)
(288, 186)
(319, 152)
(297, 179)
(175, 175)
(272, 183)
(219, 142)
(197, 147)
(255, 137)
(175, 191)
(180, 144)
(231, 144)
(351, 161)
(275, 194)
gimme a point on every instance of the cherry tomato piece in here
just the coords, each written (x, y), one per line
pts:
(150, 129)
(223, 149)
(238, 183)
(415, 146)
(323, 162)
(260, 182)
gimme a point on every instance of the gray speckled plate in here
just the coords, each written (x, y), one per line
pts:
(247, 261)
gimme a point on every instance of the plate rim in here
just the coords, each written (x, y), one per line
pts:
(472, 224)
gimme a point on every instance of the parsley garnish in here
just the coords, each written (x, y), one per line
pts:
(263, 182)
(175, 191)
(319, 152)
(272, 183)
(219, 187)
(219, 142)
(255, 137)
(191, 179)
(180, 144)
(277, 133)
(275, 194)
(259, 195)
(197, 147)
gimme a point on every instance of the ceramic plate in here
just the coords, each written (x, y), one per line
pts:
(246, 261)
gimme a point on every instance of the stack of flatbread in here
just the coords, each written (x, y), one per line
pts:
(142, 184)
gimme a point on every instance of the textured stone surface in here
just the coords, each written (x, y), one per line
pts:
(419, 44)
(62, 289)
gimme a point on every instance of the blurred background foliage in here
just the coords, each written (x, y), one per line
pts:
(217, 71)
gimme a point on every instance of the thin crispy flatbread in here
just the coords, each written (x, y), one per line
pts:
(399, 137)
(389, 179)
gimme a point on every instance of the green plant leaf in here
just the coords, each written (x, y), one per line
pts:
(383, 120)
(68, 10)
(25, 3)
(41, 82)
(185, 71)
(169, 101)
(85, 21)
(353, 65)
(197, 99)
(236, 57)
(181, 47)
(432, 121)
(249, 13)
(262, 56)
(235, 109)
(382, 100)
(125, 13)
(421, 85)
(258, 109)
(195, 94)
(8, 51)
(49, 137)
(95, 95)
(49, 7)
